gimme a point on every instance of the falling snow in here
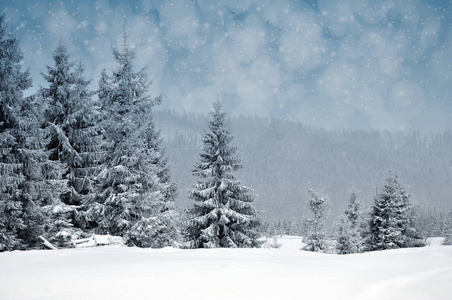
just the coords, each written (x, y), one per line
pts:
(388, 61)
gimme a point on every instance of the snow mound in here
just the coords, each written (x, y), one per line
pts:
(435, 241)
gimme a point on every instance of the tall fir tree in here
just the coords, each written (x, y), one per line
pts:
(35, 166)
(21, 216)
(348, 230)
(61, 108)
(223, 214)
(135, 198)
(390, 225)
(168, 234)
(85, 136)
(315, 231)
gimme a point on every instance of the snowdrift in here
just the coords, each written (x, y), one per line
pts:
(114, 272)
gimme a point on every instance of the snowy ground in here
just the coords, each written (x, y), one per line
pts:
(285, 273)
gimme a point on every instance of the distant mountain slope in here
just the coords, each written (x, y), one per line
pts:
(282, 158)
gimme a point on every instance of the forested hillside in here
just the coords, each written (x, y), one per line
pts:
(282, 158)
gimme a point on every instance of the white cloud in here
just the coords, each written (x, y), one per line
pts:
(339, 80)
(375, 11)
(275, 12)
(180, 20)
(301, 45)
(389, 67)
(406, 98)
(60, 23)
(296, 92)
(374, 44)
(429, 33)
(200, 99)
(237, 6)
(340, 10)
(371, 100)
(244, 44)
(343, 63)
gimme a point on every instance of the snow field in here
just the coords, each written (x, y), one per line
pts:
(286, 273)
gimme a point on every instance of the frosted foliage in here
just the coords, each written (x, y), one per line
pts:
(223, 214)
(86, 138)
(391, 225)
(347, 242)
(17, 156)
(348, 230)
(134, 194)
(73, 144)
(315, 235)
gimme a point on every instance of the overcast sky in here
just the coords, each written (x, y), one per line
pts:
(381, 64)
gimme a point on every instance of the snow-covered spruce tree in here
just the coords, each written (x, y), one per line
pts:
(384, 232)
(34, 191)
(390, 225)
(92, 207)
(410, 233)
(348, 230)
(223, 215)
(135, 198)
(21, 216)
(315, 231)
(85, 136)
(168, 217)
(13, 206)
(58, 116)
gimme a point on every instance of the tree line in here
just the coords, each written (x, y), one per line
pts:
(283, 157)
(76, 162)
(389, 224)
(73, 164)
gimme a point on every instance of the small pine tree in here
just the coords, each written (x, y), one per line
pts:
(315, 231)
(406, 220)
(223, 215)
(353, 213)
(348, 231)
(391, 225)
(384, 232)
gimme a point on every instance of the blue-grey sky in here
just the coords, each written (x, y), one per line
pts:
(383, 64)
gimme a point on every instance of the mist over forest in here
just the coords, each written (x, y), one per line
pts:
(283, 158)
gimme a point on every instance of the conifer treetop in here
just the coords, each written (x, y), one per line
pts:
(60, 76)
(132, 87)
(218, 158)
